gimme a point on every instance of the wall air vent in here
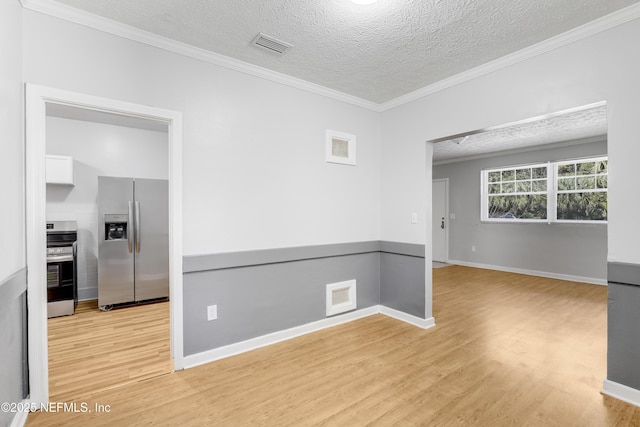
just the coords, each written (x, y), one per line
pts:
(270, 43)
(341, 297)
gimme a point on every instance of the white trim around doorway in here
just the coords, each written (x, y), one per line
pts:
(37, 97)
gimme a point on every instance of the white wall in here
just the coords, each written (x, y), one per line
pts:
(97, 149)
(12, 242)
(604, 66)
(11, 125)
(255, 175)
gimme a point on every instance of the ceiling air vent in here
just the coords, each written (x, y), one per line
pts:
(271, 43)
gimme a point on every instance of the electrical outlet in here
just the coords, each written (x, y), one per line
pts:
(212, 312)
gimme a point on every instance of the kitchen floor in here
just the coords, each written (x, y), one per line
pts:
(94, 351)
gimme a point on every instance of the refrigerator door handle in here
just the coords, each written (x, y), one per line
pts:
(129, 235)
(138, 227)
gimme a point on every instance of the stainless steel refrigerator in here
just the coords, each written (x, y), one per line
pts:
(133, 240)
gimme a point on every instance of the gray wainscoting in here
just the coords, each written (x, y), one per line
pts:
(13, 328)
(402, 270)
(402, 283)
(272, 256)
(623, 343)
(265, 291)
(407, 249)
(260, 299)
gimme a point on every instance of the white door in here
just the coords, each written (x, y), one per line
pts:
(439, 218)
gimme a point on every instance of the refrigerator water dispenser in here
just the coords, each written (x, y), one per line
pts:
(115, 226)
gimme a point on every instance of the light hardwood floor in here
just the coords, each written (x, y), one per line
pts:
(507, 350)
(93, 350)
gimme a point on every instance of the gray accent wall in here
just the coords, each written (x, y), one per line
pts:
(568, 249)
(13, 327)
(266, 291)
(257, 300)
(402, 283)
(623, 333)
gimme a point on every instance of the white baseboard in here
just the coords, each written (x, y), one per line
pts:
(621, 392)
(567, 277)
(408, 318)
(276, 337)
(20, 419)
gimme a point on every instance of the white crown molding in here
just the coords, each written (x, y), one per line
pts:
(58, 10)
(53, 8)
(601, 24)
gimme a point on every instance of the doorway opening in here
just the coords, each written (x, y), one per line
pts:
(38, 100)
(533, 221)
(105, 155)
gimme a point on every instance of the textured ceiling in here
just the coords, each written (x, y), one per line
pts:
(571, 126)
(376, 52)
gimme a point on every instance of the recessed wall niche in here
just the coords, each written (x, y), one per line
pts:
(340, 148)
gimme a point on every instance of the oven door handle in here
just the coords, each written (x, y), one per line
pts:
(59, 258)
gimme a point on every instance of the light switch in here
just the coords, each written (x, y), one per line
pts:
(414, 217)
(452, 216)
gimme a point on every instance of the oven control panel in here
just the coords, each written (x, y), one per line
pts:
(64, 250)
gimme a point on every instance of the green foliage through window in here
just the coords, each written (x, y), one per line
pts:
(578, 191)
(526, 206)
(582, 190)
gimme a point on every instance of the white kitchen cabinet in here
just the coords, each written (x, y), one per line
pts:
(59, 170)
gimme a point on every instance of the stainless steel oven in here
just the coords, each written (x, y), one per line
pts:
(62, 288)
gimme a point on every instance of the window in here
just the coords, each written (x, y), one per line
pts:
(582, 190)
(517, 193)
(568, 191)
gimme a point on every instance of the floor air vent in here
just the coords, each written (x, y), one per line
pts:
(341, 297)
(274, 45)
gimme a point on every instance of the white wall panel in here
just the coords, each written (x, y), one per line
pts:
(11, 125)
(254, 167)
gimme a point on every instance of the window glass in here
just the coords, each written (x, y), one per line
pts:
(578, 190)
(584, 199)
(517, 193)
